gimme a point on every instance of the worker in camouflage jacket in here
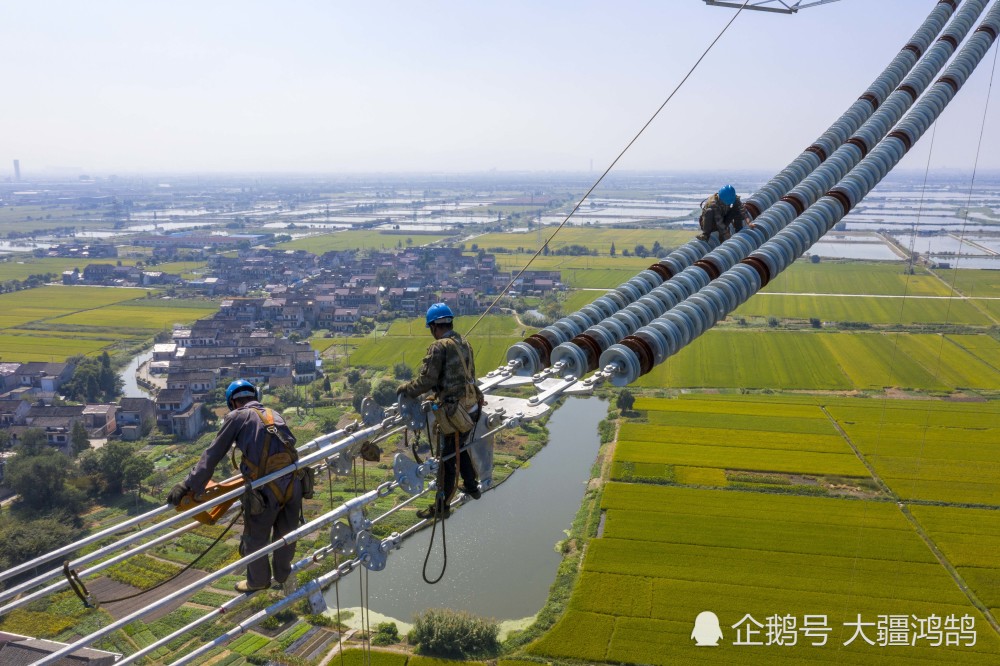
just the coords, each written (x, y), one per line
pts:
(722, 210)
(277, 506)
(449, 372)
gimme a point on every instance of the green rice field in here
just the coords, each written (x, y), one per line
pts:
(407, 340)
(873, 310)
(359, 240)
(599, 239)
(787, 559)
(972, 282)
(867, 278)
(928, 450)
(823, 361)
(19, 268)
(387, 351)
(51, 323)
(969, 538)
(133, 317)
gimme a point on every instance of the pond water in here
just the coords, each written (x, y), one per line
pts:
(968, 262)
(501, 549)
(397, 226)
(831, 250)
(170, 226)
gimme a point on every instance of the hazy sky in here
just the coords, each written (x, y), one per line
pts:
(324, 86)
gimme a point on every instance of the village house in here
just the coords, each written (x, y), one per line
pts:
(136, 417)
(43, 377)
(100, 420)
(177, 413)
(13, 412)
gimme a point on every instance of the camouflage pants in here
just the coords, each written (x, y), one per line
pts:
(723, 231)
(450, 469)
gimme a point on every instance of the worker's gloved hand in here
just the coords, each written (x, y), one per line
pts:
(176, 493)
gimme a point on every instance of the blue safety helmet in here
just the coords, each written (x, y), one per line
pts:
(439, 313)
(241, 388)
(727, 194)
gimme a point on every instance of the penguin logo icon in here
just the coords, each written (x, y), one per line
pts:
(706, 632)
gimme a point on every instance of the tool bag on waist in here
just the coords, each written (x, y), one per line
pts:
(270, 463)
(452, 416)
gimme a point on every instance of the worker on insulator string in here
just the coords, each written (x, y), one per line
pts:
(721, 211)
(270, 511)
(448, 371)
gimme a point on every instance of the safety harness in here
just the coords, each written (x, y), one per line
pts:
(270, 463)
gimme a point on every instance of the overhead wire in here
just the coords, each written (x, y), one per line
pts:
(610, 166)
(961, 236)
(914, 492)
(585, 196)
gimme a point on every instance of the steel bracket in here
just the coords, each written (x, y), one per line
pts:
(409, 475)
(317, 603)
(342, 539)
(371, 412)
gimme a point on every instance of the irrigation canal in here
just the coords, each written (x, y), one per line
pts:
(501, 549)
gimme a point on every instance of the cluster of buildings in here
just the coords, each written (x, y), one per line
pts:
(81, 250)
(249, 337)
(119, 276)
(198, 359)
(27, 396)
(306, 291)
(335, 291)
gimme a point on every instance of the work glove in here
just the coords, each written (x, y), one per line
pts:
(177, 493)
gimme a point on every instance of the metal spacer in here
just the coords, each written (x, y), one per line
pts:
(342, 539)
(408, 474)
(371, 412)
(370, 551)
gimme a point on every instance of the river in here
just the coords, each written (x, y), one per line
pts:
(130, 388)
(501, 549)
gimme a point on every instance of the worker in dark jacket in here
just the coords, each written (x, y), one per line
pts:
(271, 511)
(449, 372)
(722, 210)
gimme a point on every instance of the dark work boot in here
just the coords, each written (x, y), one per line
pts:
(439, 512)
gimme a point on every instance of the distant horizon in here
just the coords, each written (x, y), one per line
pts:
(60, 174)
(391, 87)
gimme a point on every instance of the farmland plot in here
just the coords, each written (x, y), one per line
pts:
(872, 361)
(134, 317)
(388, 351)
(668, 554)
(694, 442)
(819, 361)
(742, 458)
(911, 310)
(750, 359)
(730, 404)
(948, 363)
(972, 282)
(983, 347)
(970, 539)
(857, 278)
(947, 452)
(599, 239)
(358, 240)
(40, 347)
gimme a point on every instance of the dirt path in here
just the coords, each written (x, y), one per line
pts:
(335, 650)
(105, 588)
